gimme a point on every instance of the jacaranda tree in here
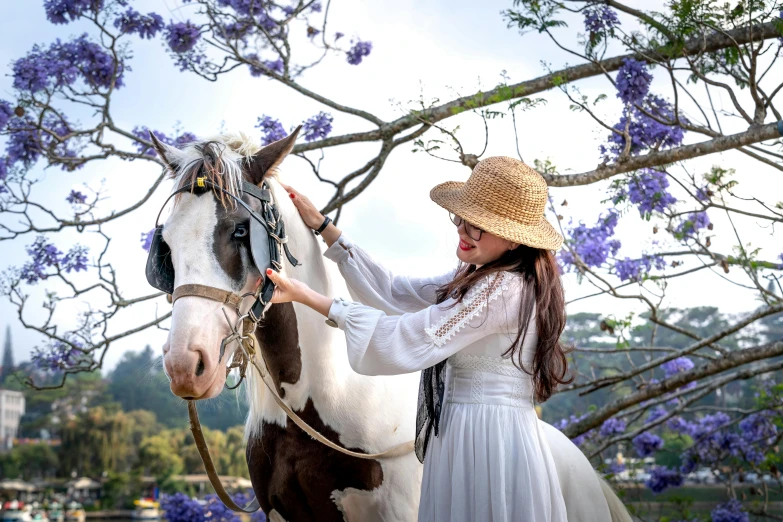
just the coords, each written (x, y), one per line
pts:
(695, 50)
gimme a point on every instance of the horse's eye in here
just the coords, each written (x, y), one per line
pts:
(240, 231)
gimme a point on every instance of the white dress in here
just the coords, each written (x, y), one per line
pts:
(490, 462)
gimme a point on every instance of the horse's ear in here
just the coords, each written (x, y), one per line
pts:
(271, 156)
(166, 152)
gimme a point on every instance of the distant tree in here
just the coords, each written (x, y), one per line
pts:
(8, 356)
(95, 441)
(160, 456)
(29, 461)
(46, 410)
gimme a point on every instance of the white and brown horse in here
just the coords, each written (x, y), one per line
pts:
(295, 477)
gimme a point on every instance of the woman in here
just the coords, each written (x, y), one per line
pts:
(486, 337)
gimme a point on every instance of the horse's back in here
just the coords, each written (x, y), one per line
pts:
(581, 488)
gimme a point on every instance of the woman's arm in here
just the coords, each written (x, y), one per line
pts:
(368, 281)
(374, 285)
(379, 344)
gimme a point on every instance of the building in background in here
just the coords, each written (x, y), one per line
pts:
(11, 411)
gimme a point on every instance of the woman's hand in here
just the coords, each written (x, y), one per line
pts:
(292, 290)
(286, 290)
(310, 215)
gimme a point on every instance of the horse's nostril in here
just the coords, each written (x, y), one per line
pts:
(200, 366)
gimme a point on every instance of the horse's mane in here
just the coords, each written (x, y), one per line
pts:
(221, 159)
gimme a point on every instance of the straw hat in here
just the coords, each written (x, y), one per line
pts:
(505, 197)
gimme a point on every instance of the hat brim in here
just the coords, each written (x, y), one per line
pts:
(543, 235)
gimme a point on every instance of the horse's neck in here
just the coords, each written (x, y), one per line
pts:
(299, 343)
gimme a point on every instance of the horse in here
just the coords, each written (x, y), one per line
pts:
(294, 476)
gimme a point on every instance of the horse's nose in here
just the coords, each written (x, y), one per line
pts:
(191, 370)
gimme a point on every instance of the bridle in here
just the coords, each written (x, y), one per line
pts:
(268, 241)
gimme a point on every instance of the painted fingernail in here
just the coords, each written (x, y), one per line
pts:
(269, 271)
(292, 195)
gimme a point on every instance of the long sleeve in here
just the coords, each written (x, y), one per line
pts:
(380, 344)
(373, 285)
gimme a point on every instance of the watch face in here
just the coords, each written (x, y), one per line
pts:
(331, 323)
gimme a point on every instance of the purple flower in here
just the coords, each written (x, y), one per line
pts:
(24, 144)
(57, 356)
(181, 508)
(182, 36)
(675, 366)
(131, 21)
(599, 18)
(64, 63)
(319, 126)
(43, 255)
(730, 511)
(648, 190)
(645, 132)
(273, 65)
(65, 11)
(712, 442)
(6, 113)
(679, 425)
(316, 7)
(635, 269)
(146, 239)
(236, 30)
(593, 244)
(216, 511)
(3, 174)
(759, 427)
(75, 260)
(633, 81)
(611, 427)
(692, 223)
(76, 198)
(646, 444)
(662, 477)
(338, 35)
(243, 7)
(359, 50)
(143, 134)
(656, 414)
(271, 130)
(616, 467)
(579, 439)
(703, 194)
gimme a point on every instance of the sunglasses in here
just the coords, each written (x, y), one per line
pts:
(472, 231)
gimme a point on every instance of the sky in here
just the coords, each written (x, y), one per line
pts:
(421, 48)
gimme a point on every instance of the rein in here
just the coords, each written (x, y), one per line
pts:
(243, 332)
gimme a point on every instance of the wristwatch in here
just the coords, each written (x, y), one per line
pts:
(325, 224)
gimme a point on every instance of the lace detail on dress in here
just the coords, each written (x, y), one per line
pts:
(485, 364)
(518, 391)
(477, 388)
(474, 302)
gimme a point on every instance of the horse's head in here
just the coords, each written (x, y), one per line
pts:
(208, 235)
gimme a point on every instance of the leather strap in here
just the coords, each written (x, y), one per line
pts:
(396, 451)
(209, 466)
(209, 292)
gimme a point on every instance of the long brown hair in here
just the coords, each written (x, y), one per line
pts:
(543, 286)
